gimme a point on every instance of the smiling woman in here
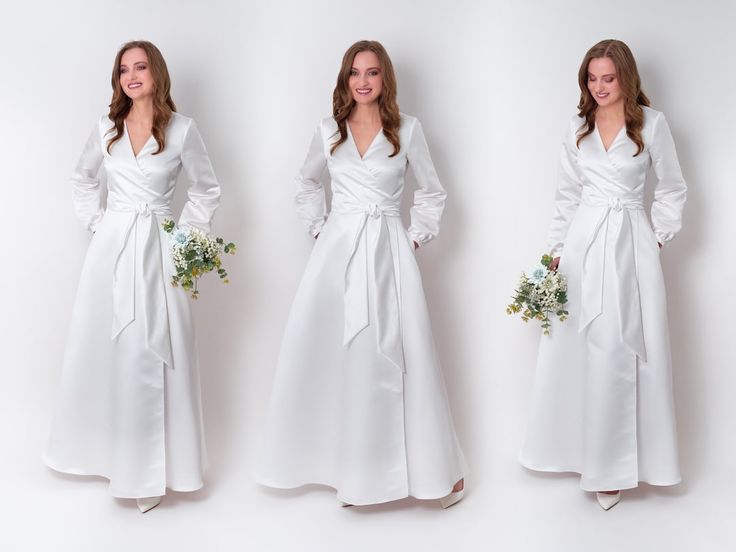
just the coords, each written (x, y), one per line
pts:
(359, 401)
(130, 366)
(602, 401)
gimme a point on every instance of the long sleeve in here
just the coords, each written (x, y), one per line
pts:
(429, 198)
(310, 194)
(86, 191)
(671, 190)
(569, 188)
(204, 191)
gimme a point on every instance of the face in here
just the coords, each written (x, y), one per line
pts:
(366, 79)
(603, 82)
(135, 75)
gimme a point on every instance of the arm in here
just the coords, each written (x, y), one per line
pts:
(567, 199)
(671, 190)
(204, 191)
(86, 192)
(429, 199)
(310, 194)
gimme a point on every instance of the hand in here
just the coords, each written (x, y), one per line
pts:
(316, 235)
(660, 245)
(554, 264)
(416, 246)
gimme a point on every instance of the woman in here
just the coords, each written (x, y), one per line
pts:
(359, 402)
(602, 401)
(129, 408)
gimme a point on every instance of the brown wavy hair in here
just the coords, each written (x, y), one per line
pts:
(343, 102)
(163, 105)
(630, 83)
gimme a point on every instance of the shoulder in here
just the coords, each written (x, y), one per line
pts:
(409, 126)
(181, 129)
(327, 126)
(105, 126)
(651, 115)
(575, 123)
(652, 120)
(179, 122)
(408, 120)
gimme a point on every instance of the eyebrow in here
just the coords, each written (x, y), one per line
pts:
(369, 68)
(134, 63)
(602, 76)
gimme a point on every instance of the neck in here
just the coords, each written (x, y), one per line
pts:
(613, 111)
(365, 113)
(141, 111)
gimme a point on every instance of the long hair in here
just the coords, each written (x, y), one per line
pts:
(163, 105)
(343, 102)
(630, 83)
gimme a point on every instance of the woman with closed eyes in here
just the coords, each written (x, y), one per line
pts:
(602, 402)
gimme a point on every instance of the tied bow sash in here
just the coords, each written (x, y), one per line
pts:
(144, 259)
(626, 281)
(388, 317)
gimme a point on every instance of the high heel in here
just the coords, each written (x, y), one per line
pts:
(452, 498)
(147, 503)
(608, 501)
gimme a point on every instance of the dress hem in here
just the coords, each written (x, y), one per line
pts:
(115, 494)
(585, 487)
(418, 496)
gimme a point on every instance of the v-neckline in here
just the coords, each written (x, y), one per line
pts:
(615, 138)
(130, 142)
(355, 144)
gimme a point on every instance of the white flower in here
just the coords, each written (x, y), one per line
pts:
(180, 237)
(538, 274)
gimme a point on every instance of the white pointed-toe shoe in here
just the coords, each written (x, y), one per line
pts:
(147, 503)
(452, 498)
(608, 501)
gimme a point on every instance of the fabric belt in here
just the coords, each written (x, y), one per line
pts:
(626, 281)
(388, 315)
(144, 258)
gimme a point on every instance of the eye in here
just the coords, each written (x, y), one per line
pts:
(123, 70)
(373, 73)
(609, 80)
(591, 78)
(141, 67)
(353, 73)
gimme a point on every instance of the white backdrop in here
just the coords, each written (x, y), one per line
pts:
(494, 84)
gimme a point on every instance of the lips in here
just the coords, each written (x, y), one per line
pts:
(134, 85)
(364, 91)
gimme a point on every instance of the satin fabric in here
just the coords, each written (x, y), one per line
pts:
(129, 404)
(602, 400)
(358, 400)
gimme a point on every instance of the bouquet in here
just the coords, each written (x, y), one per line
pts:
(195, 254)
(541, 293)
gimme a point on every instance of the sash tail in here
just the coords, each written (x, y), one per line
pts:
(146, 259)
(355, 297)
(626, 282)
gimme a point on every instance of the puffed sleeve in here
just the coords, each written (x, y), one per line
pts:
(429, 198)
(310, 193)
(204, 190)
(569, 188)
(671, 191)
(86, 191)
